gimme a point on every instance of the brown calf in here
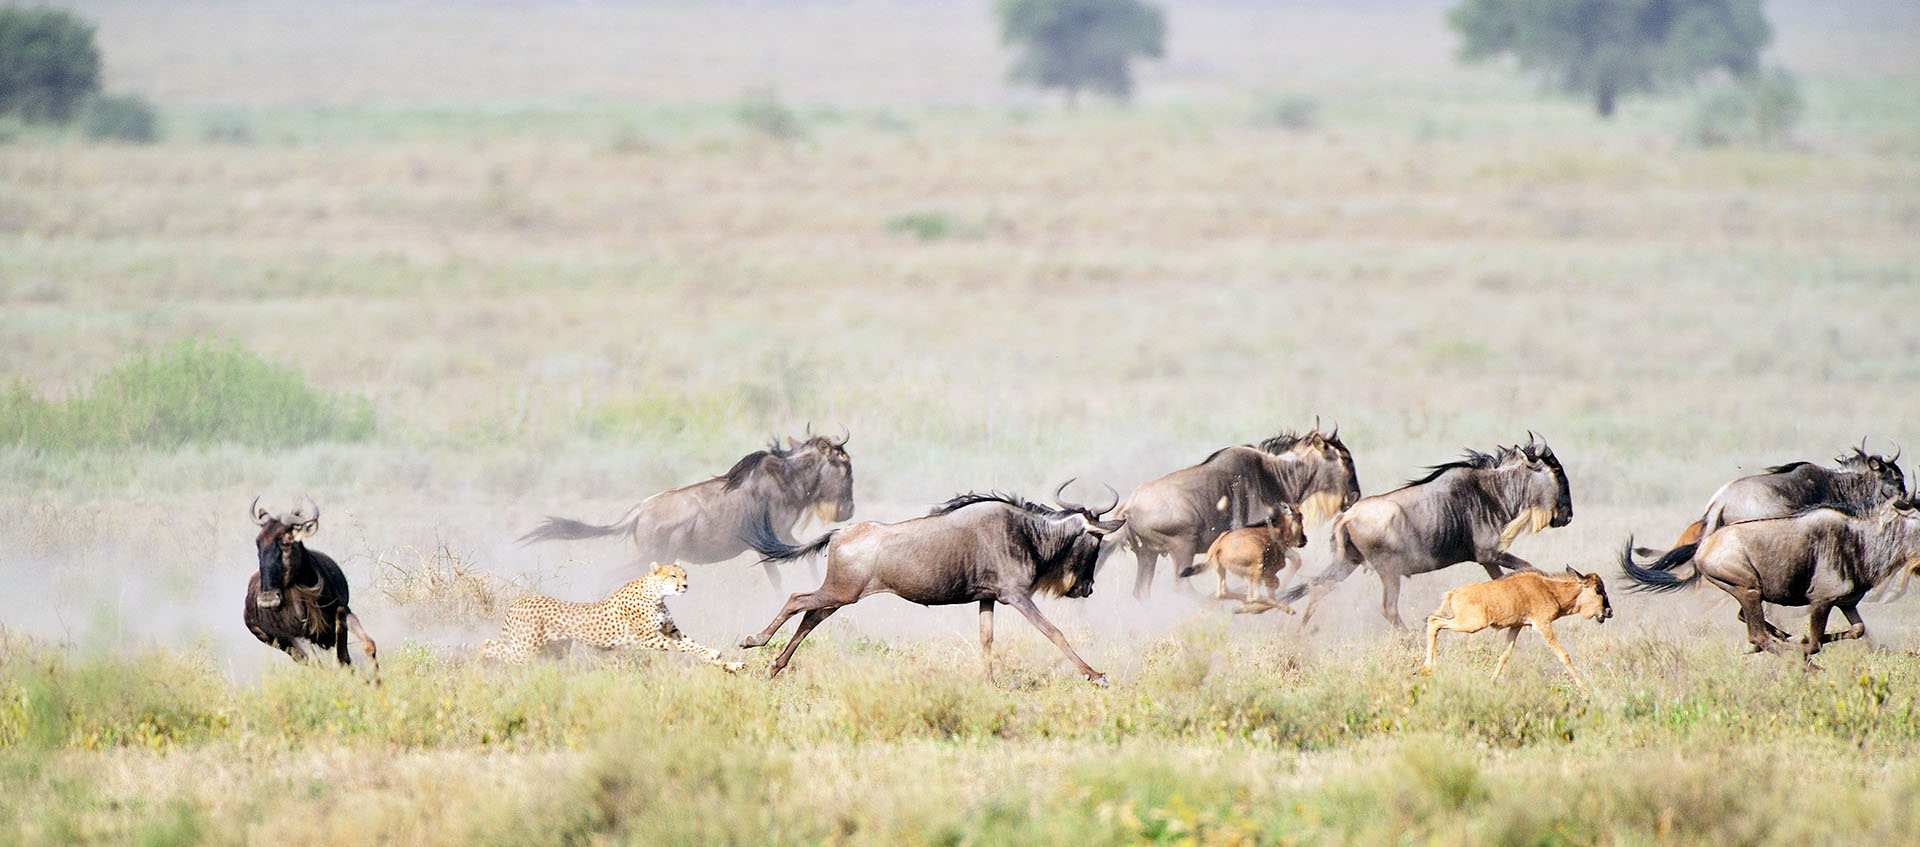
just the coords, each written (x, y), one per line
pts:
(1517, 600)
(1257, 554)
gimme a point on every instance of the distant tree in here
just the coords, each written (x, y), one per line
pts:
(1075, 44)
(48, 64)
(1608, 48)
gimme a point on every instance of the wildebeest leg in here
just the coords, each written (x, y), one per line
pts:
(1144, 560)
(986, 638)
(340, 641)
(1772, 630)
(1493, 561)
(1753, 614)
(366, 643)
(805, 601)
(1390, 599)
(1816, 630)
(1857, 630)
(811, 619)
(1513, 637)
(1321, 585)
(1040, 622)
(1181, 555)
(1546, 632)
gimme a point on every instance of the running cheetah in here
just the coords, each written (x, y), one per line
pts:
(635, 616)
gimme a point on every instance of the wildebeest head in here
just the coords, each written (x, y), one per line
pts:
(830, 469)
(1592, 603)
(1540, 459)
(1069, 573)
(1328, 484)
(278, 545)
(1885, 470)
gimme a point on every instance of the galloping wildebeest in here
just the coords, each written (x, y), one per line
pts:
(1517, 600)
(1860, 484)
(1464, 511)
(1822, 558)
(1257, 554)
(1180, 514)
(974, 548)
(707, 521)
(297, 600)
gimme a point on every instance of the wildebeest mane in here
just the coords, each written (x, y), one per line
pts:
(1271, 446)
(963, 500)
(1470, 459)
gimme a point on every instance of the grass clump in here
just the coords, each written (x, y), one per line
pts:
(192, 392)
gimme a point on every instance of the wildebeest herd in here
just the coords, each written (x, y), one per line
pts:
(1799, 534)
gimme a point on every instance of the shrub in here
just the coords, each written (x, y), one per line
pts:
(1296, 112)
(48, 64)
(761, 110)
(191, 392)
(120, 117)
(1759, 110)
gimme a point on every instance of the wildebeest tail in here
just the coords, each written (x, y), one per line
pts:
(567, 529)
(1652, 579)
(763, 539)
(1667, 560)
(1346, 557)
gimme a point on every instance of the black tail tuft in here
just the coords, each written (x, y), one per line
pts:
(1651, 578)
(763, 539)
(566, 529)
(1666, 561)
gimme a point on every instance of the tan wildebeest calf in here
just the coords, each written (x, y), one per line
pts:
(1517, 600)
(1257, 554)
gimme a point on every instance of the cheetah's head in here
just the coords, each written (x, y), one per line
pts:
(668, 579)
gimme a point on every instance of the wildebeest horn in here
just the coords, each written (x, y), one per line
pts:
(1065, 504)
(1113, 500)
(1896, 453)
(845, 434)
(308, 509)
(1316, 423)
(1336, 432)
(259, 516)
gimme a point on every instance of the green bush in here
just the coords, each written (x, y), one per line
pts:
(48, 64)
(1759, 110)
(189, 393)
(761, 110)
(1296, 112)
(120, 117)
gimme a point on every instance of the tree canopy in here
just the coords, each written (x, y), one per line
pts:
(1075, 44)
(48, 63)
(1604, 49)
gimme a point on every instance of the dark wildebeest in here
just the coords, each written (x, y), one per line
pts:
(1257, 554)
(297, 600)
(1180, 514)
(1860, 484)
(1518, 600)
(707, 521)
(1821, 558)
(1465, 511)
(975, 548)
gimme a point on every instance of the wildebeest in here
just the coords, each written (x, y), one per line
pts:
(1465, 511)
(1821, 558)
(1860, 484)
(297, 600)
(975, 548)
(707, 521)
(1180, 514)
(1518, 600)
(1257, 554)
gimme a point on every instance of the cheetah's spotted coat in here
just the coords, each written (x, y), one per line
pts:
(632, 617)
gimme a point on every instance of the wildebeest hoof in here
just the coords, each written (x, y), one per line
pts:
(1100, 680)
(751, 642)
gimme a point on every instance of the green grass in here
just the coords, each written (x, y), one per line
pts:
(192, 392)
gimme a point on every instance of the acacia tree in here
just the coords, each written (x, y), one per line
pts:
(1607, 48)
(1075, 44)
(48, 64)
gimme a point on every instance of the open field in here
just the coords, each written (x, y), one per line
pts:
(573, 276)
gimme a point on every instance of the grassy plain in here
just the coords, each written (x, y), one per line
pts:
(571, 277)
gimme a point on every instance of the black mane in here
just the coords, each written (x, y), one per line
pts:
(743, 470)
(1470, 459)
(1278, 444)
(963, 500)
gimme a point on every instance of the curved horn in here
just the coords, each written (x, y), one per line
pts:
(259, 517)
(1896, 453)
(1316, 423)
(1336, 432)
(311, 514)
(1065, 504)
(845, 434)
(1113, 500)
